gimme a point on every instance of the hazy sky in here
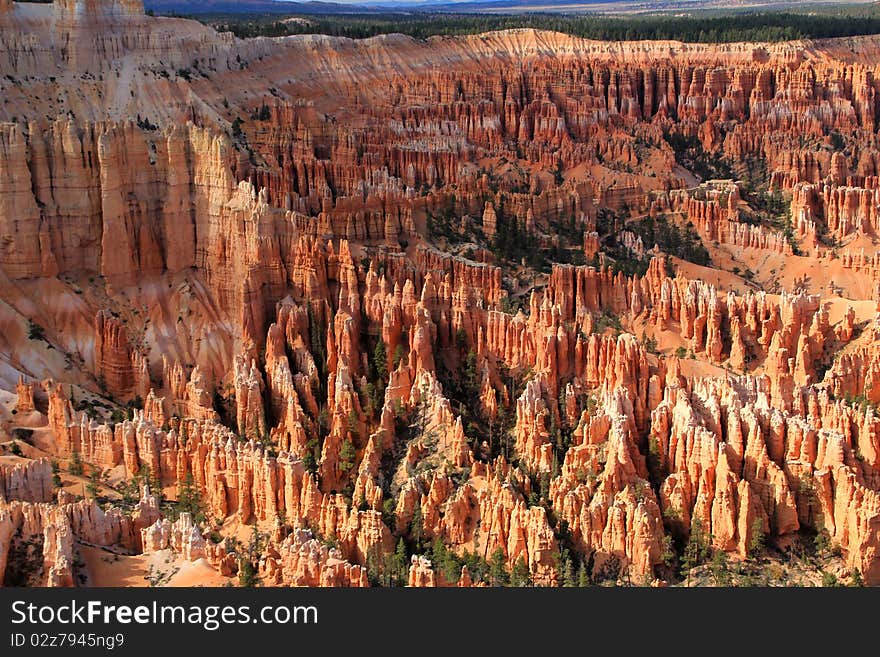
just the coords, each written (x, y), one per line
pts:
(417, 2)
(575, 2)
(414, 2)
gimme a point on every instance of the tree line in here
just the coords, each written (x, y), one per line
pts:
(758, 26)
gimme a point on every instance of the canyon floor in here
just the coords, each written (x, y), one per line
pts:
(497, 310)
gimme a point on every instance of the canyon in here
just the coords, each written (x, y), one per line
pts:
(498, 309)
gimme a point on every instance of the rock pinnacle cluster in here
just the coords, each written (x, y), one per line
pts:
(513, 308)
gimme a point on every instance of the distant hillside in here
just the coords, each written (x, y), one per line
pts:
(244, 7)
(606, 6)
(278, 7)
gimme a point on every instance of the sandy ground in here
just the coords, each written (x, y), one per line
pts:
(774, 272)
(723, 280)
(108, 569)
(197, 573)
(163, 568)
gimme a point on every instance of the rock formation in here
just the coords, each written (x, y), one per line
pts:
(457, 321)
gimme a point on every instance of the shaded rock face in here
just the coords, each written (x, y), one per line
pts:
(424, 321)
(29, 481)
(57, 530)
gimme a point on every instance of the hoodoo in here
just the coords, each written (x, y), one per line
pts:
(511, 307)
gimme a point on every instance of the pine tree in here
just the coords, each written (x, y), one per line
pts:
(416, 530)
(720, 570)
(380, 361)
(520, 575)
(565, 573)
(400, 560)
(189, 498)
(668, 554)
(399, 355)
(347, 456)
(76, 465)
(583, 577)
(155, 483)
(756, 539)
(94, 479)
(856, 578)
(498, 575)
(374, 565)
(247, 564)
(697, 549)
(309, 461)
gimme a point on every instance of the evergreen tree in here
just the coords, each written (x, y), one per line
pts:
(310, 461)
(565, 572)
(416, 530)
(697, 549)
(756, 539)
(400, 561)
(374, 565)
(379, 361)
(583, 577)
(668, 554)
(856, 578)
(829, 580)
(76, 465)
(94, 481)
(720, 570)
(347, 455)
(520, 575)
(247, 563)
(498, 575)
(399, 355)
(151, 478)
(189, 498)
